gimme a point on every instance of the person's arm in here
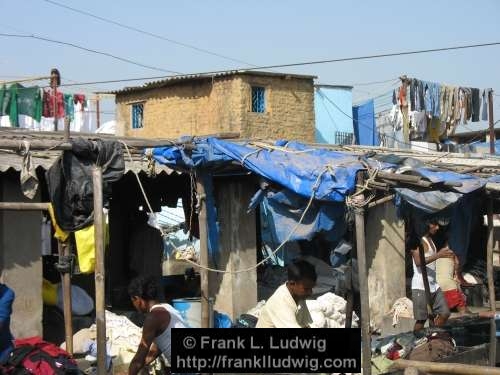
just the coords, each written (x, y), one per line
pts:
(6, 301)
(148, 335)
(154, 353)
(443, 253)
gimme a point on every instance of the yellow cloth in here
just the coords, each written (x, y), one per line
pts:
(49, 293)
(85, 247)
(60, 234)
(445, 274)
(281, 311)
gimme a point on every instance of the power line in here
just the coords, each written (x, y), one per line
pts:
(367, 57)
(33, 36)
(128, 27)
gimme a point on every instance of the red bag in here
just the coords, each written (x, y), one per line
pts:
(35, 356)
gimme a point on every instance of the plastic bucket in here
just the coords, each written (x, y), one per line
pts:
(190, 310)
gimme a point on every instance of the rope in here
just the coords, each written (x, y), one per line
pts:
(306, 210)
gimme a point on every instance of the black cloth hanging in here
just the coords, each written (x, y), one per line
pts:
(69, 180)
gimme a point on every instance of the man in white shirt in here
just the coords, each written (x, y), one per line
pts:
(287, 308)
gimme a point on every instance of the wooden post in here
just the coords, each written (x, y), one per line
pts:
(99, 271)
(23, 206)
(363, 282)
(491, 123)
(64, 252)
(202, 219)
(427, 289)
(491, 283)
(446, 368)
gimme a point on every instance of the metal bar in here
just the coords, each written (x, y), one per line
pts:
(202, 219)
(98, 112)
(22, 206)
(99, 271)
(63, 250)
(66, 129)
(363, 282)
(491, 122)
(491, 283)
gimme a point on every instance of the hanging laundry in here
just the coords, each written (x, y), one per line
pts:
(29, 101)
(13, 106)
(48, 104)
(434, 130)
(394, 100)
(69, 106)
(484, 112)
(476, 103)
(432, 96)
(80, 98)
(468, 104)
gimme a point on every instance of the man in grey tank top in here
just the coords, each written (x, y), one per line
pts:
(160, 318)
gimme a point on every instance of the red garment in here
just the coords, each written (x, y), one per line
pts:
(454, 298)
(48, 104)
(79, 98)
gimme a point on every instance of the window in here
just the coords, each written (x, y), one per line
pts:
(137, 115)
(258, 99)
(344, 138)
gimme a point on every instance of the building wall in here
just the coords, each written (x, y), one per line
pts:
(289, 109)
(385, 253)
(222, 105)
(331, 104)
(190, 108)
(21, 261)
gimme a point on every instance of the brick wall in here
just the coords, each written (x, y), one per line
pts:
(222, 105)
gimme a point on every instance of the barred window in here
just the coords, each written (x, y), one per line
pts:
(258, 99)
(137, 115)
(344, 138)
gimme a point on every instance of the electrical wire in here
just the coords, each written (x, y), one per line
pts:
(144, 32)
(123, 59)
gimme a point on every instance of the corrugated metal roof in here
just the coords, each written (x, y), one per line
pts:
(44, 160)
(192, 77)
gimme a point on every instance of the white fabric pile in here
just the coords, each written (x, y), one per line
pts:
(402, 308)
(329, 311)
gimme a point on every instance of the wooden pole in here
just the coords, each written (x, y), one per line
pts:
(427, 289)
(21, 206)
(202, 220)
(491, 283)
(491, 123)
(363, 281)
(446, 368)
(64, 252)
(414, 371)
(99, 271)
(98, 112)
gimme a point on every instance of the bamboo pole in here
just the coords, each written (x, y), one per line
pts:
(491, 283)
(363, 282)
(64, 251)
(446, 368)
(22, 206)
(99, 271)
(202, 220)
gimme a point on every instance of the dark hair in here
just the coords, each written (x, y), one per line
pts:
(145, 287)
(301, 270)
(412, 242)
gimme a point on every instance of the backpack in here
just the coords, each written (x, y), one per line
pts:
(35, 356)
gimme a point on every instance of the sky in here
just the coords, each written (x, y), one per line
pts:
(256, 33)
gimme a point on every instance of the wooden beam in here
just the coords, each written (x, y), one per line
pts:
(492, 186)
(381, 200)
(491, 283)
(202, 219)
(100, 302)
(446, 368)
(363, 281)
(23, 206)
(64, 251)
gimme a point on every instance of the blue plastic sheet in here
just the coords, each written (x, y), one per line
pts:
(363, 118)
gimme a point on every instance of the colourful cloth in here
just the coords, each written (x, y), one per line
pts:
(69, 106)
(6, 299)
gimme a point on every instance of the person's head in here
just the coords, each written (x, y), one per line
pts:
(301, 279)
(143, 290)
(432, 227)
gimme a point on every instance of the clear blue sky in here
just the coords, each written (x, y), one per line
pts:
(258, 32)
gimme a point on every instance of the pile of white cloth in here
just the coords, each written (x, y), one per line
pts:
(329, 311)
(402, 308)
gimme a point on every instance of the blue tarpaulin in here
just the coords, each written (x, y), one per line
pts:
(365, 129)
(297, 167)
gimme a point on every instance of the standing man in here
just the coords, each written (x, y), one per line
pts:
(438, 302)
(6, 341)
(287, 308)
(144, 292)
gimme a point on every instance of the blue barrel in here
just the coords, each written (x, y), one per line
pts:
(190, 310)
